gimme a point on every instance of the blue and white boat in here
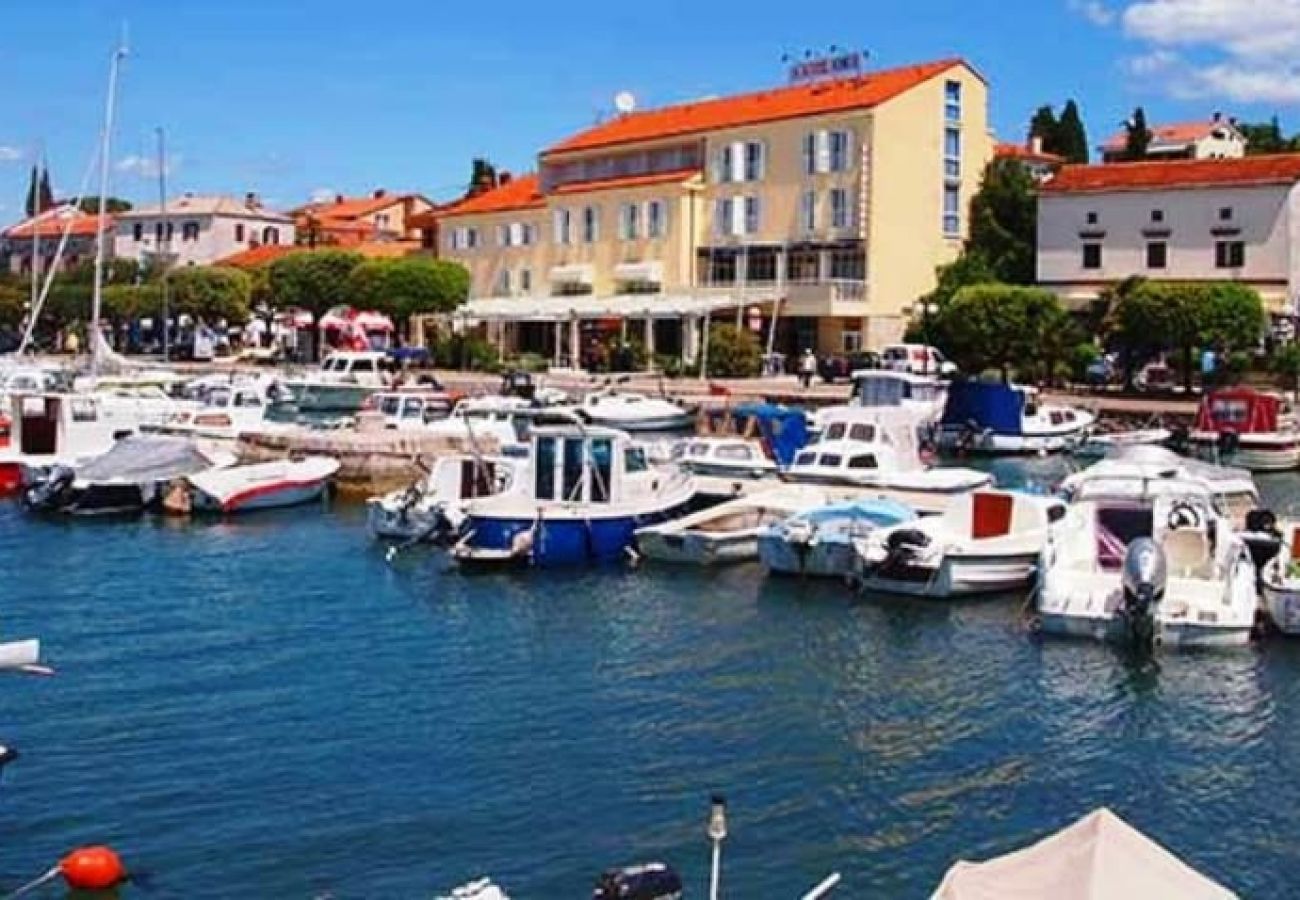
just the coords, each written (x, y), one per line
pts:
(996, 418)
(589, 489)
(819, 542)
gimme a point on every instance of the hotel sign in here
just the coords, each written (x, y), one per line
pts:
(827, 67)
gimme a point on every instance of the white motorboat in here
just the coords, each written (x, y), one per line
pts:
(1248, 428)
(499, 420)
(1097, 444)
(995, 418)
(343, 382)
(880, 449)
(1147, 561)
(728, 532)
(988, 542)
(1279, 580)
(228, 410)
(133, 476)
(270, 485)
(923, 395)
(1233, 490)
(412, 408)
(819, 542)
(724, 457)
(434, 507)
(635, 412)
(589, 490)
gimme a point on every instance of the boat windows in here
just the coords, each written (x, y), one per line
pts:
(1230, 411)
(861, 432)
(84, 411)
(1117, 527)
(634, 459)
(863, 461)
(544, 484)
(831, 460)
(572, 487)
(412, 408)
(698, 450)
(245, 400)
(836, 432)
(602, 467)
(805, 459)
(739, 452)
(389, 406)
(1056, 417)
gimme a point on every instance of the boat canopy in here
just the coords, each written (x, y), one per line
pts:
(142, 458)
(1240, 409)
(883, 513)
(1100, 855)
(782, 429)
(884, 387)
(986, 405)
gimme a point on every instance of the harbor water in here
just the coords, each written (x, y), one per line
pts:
(267, 708)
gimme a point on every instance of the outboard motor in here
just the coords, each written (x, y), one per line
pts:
(652, 881)
(50, 493)
(1262, 537)
(1228, 442)
(1144, 578)
(903, 547)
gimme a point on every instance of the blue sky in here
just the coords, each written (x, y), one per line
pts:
(289, 98)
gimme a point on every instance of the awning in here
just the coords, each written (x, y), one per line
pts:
(651, 271)
(587, 306)
(576, 273)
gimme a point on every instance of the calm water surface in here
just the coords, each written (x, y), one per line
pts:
(265, 708)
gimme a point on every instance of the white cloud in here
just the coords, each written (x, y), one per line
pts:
(9, 154)
(323, 195)
(1094, 11)
(1237, 50)
(146, 166)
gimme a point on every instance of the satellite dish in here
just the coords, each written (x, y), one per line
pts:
(624, 102)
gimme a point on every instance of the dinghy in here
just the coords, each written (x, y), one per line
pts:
(726, 533)
(270, 485)
(433, 507)
(986, 543)
(819, 542)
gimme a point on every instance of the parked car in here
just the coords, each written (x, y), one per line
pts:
(918, 359)
(841, 366)
(1155, 377)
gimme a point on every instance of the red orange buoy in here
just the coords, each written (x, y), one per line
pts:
(92, 869)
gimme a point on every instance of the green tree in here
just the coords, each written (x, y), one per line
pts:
(1072, 142)
(114, 205)
(998, 326)
(1045, 128)
(46, 193)
(33, 187)
(211, 293)
(312, 280)
(1003, 222)
(483, 177)
(1285, 363)
(409, 286)
(967, 269)
(734, 352)
(1232, 318)
(1137, 137)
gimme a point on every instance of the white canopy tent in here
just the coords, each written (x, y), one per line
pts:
(589, 306)
(1099, 857)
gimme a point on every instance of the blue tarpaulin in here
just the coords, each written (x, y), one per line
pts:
(989, 406)
(783, 428)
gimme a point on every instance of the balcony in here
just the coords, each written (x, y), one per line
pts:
(805, 297)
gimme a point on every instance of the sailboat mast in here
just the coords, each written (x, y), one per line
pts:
(165, 245)
(36, 228)
(95, 338)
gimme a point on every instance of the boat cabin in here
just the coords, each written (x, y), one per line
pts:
(778, 432)
(407, 409)
(587, 466)
(355, 366)
(1244, 410)
(467, 478)
(882, 387)
(64, 425)
(855, 439)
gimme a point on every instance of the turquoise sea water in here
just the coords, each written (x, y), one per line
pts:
(265, 708)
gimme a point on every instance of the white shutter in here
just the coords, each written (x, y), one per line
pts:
(737, 216)
(823, 151)
(503, 236)
(738, 161)
(557, 226)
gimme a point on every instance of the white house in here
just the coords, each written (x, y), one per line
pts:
(199, 230)
(1186, 220)
(1217, 138)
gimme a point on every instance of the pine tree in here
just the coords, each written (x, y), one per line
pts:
(1073, 137)
(46, 193)
(1045, 128)
(1137, 137)
(483, 177)
(31, 194)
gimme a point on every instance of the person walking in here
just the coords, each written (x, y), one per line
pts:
(807, 368)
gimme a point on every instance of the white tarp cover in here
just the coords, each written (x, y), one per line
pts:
(587, 306)
(142, 458)
(1099, 857)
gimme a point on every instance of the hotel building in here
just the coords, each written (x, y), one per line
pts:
(828, 203)
(198, 231)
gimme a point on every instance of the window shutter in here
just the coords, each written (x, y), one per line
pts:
(751, 215)
(720, 165)
(762, 160)
(721, 212)
(823, 151)
(808, 211)
(557, 226)
(809, 153)
(737, 215)
(849, 164)
(738, 161)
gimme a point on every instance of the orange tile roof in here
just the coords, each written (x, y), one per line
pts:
(1175, 133)
(253, 257)
(50, 224)
(1281, 168)
(627, 181)
(351, 207)
(520, 192)
(748, 109)
(1020, 151)
(266, 254)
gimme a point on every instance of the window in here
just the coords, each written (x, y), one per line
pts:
(503, 282)
(831, 460)
(734, 452)
(270, 235)
(158, 231)
(951, 210)
(590, 224)
(1157, 254)
(137, 231)
(836, 432)
(722, 216)
(544, 479)
(656, 220)
(572, 469)
(1225, 214)
(741, 161)
(810, 153)
(629, 221)
(1092, 256)
(849, 265)
(1229, 254)
(754, 161)
(808, 211)
(952, 101)
(1157, 215)
(602, 464)
(951, 153)
(526, 281)
(503, 235)
(803, 265)
(239, 232)
(634, 459)
(752, 210)
(1091, 218)
(839, 151)
(563, 223)
(722, 268)
(863, 461)
(862, 432)
(190, 231)
(805, 459)
(760, 265)
(527, 234)
(850, 341)
(827, 151)
(839, 208)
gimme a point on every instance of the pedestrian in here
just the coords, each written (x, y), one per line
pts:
(807, 368)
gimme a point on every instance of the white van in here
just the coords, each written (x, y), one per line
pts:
(918, 359)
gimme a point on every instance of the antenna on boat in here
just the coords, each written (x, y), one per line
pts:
(105, 152)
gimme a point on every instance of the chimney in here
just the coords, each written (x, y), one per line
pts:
(338, 198)
(1036, 145)
(380, 193)
(251, 201)
(1217, 117)
(503, 178)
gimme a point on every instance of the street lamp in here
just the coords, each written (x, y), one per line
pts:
(717, 833)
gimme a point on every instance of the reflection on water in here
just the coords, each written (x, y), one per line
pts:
(265, 708)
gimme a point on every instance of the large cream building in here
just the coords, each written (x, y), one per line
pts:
(830, 203)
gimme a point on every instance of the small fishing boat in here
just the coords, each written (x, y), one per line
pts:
(995, 418)
(433, 507)
(1098, 444)
(819, 542)
(589, 490)
(343, 382)
(923, 395)
(635, 412)
(1279, 579)
(229, 408)
(412, 408)
(988, 542)
(723, 457)
(729, 532)
(270, 485)
(1248, 428)
(130, 478)
(1146, 562)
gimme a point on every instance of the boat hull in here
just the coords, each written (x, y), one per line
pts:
(341, 398)
(817, 559)
(1112, 630)
(1253, 454)
(699, 549)
(1282, 604)
(271, 496)
(559, 542)
(959, 576)
(671, 422)
(959, 440)
(394, 522)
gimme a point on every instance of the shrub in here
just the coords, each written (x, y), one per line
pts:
(734, 352)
